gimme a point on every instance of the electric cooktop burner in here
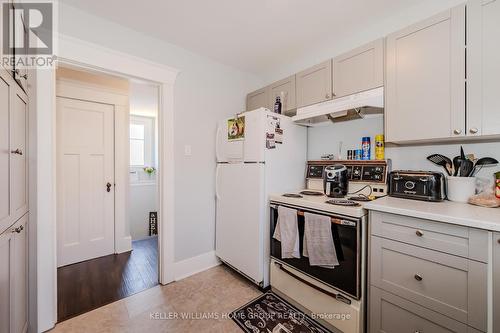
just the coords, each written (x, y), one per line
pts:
(343, 202)
(292, 195)
(359, 198)
(314, 193)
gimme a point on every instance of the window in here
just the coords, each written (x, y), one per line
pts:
(141, 141)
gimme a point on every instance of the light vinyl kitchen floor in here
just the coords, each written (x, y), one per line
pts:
(214, 292)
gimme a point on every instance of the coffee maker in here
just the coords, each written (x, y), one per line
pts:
(335, 181)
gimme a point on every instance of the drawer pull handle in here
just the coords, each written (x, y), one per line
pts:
(418, 277)
(419, 233)
(17, 152)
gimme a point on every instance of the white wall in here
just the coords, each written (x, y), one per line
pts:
(143, 188)
(205, 91)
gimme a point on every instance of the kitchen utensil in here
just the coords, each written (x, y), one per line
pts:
(456, 165)
(462, 153)
(482, 162)
(442, 161)
(466, 167)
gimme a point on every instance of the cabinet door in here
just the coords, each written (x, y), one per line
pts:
(5, 87)
(314, 84)
(425, 85)
(483, 67)
(258, 99)
(360, 69)
(286, 90)
(18, 148)
(496, 282)
(19, 270)
(6, 295)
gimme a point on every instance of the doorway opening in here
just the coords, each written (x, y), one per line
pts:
(107, 193)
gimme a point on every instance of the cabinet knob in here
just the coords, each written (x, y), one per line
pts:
(327, 96)
(419, 233)
(473, 130)
(17, 151)
(418, 277)
(457, 131)
(108, 187)
(18, 229)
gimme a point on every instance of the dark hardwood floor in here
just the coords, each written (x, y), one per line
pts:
(91, 284)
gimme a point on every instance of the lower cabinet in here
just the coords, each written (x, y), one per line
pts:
(496, 282)
(13, 278)
(417, 285)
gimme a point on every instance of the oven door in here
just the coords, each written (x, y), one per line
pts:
(347, 240)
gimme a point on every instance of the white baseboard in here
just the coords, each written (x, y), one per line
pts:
(194, 265)
(124, 245)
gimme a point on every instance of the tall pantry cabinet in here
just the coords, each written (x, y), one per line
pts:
(13, 205)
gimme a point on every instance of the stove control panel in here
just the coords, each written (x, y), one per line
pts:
(357, 171)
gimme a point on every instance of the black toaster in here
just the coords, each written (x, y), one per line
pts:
(417, 185)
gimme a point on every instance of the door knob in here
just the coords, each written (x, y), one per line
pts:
(17, 151)
(108, 187)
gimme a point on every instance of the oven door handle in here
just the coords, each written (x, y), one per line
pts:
(338, 297)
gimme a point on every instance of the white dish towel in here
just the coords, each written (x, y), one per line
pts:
(287, 232)
(318, 241)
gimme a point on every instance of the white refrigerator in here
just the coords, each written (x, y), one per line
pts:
(258, 153)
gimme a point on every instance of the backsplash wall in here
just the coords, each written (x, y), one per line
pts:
(325, 139)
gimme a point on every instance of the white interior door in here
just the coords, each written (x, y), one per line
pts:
(240, 217)
(85, 180)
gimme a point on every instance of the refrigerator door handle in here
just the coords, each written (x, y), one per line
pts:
(217, 197)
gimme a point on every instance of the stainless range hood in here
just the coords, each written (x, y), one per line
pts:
(356, 106)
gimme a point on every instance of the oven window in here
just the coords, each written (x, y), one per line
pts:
(343, 277)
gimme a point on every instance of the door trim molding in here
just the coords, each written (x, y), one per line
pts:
(80, 53)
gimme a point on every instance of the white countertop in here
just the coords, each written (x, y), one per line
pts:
(446, 211)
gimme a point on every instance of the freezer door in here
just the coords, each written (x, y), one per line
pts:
(240, 217)
(250, 147)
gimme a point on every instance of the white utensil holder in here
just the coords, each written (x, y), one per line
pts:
(460, 189)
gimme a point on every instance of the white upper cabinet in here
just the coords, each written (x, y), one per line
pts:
(285, 89)
(425, 83)
(5, 88)
(483, 67)
(314, 84)
(360, 69)
(258, 99)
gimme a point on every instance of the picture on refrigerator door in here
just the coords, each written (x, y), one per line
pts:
(236, 129)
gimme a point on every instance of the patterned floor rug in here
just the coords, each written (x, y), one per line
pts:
(270, 313)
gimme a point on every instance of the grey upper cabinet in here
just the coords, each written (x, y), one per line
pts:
(286, 90)
(314, 84)
(258, 99)
(360, 69)
(496, 282)
(483, 71)
(425, 79)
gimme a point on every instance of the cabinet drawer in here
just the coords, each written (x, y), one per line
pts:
(453, 286)
(457, 240)
(392, 314)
